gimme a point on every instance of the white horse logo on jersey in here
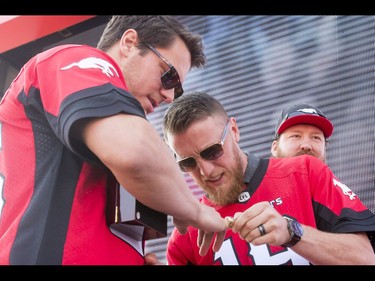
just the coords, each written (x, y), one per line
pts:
(105, 66)
(346, 190)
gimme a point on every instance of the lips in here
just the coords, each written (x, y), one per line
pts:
(214, 180)
(153, 102)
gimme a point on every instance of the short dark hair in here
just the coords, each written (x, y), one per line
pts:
(157, 31)
(189, 108)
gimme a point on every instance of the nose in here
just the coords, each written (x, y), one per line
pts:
(306, 146)
(205, 167)
(168, 95)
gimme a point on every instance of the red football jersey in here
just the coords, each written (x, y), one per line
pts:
(53, 188)
(302, 187)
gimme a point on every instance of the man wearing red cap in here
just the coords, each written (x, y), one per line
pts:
(301, 129)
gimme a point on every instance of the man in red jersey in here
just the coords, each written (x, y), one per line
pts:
(73, 126)
(280, 211)
(301, 129)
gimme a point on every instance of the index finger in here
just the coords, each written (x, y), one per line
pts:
(219, 239)
(206, 239)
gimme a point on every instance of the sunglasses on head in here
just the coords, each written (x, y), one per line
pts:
(298, 113)
(170, 79)
(210, 153)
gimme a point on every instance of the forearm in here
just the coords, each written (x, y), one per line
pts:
(160, 185)
(149, 172)
(143, 164)
(157, 182)
(323, 248)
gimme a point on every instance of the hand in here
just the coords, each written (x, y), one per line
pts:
(152, 259)
(211, 226)
(261, 224)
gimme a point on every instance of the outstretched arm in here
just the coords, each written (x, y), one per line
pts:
(143, 164)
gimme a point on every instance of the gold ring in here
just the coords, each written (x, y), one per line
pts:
(230, 222)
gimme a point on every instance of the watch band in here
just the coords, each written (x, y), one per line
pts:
(295, 230)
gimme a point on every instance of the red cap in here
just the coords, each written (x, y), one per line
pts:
(303, 114)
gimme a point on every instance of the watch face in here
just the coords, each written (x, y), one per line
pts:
(296, 228)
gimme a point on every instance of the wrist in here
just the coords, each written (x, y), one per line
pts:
(295, 231)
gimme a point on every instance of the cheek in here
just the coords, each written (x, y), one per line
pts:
(131, 76)
(288, 148)
(288, 145)
(139, 75)
(320, 148)
(196, 176)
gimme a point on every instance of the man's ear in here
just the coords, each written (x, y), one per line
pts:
(274, 148)
(235, 130)
(128, 40)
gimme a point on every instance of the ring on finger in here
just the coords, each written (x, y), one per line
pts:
(262, 230)
(229, 221)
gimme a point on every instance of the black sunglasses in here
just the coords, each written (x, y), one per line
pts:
(210, 153)
(170, 79)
